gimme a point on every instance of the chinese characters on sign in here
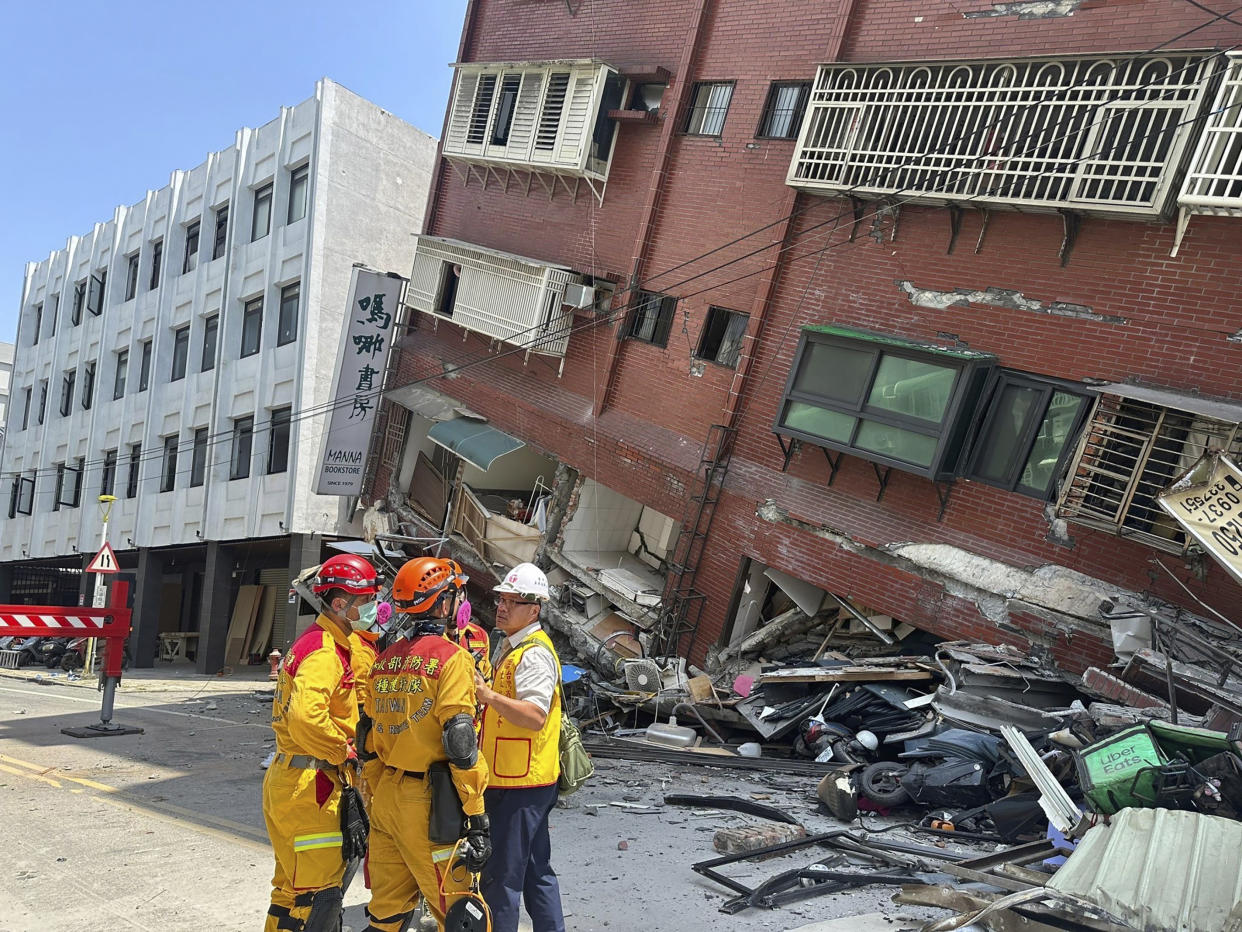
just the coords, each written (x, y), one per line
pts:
(359, 379)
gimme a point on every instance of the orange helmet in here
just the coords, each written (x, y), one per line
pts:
(422, 581)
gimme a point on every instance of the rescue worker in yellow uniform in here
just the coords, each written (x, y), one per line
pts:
(314, 715)
(422, 704)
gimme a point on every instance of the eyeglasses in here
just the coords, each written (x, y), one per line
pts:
(509, 603)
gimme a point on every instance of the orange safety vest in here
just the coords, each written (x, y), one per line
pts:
(519, 757)
(473, 639)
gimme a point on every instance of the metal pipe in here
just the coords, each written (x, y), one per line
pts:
(690, 706)
(109, 695)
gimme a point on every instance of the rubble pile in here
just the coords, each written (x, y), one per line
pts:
(1068, 779)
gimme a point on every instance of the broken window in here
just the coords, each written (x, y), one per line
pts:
(721, 340)
(1026, 434)
(1137, 441)
(893, 401)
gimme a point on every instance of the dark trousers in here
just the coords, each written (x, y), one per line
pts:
(520, 866)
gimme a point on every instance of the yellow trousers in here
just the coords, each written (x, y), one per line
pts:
(302, 810)
(401, 860)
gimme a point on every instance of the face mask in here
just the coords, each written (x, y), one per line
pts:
(366, 617)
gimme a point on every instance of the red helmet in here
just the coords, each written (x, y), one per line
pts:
(346, 571)
(422, 581)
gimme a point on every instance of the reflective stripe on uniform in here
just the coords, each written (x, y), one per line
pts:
(443, 854)
(321, 840)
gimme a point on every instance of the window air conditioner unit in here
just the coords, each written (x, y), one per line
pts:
(579, 296)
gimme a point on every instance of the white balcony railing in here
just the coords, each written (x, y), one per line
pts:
(1099, 135)
(544, 117)
(1213, 182)
(511, 298)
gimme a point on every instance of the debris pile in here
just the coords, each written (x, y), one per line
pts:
(1070, 780)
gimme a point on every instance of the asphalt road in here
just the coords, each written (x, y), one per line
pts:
(163, 831)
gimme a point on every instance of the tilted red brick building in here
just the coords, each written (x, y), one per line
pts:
(916, 306)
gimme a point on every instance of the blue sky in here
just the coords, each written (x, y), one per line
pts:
(102, 101)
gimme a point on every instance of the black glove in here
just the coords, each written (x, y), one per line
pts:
(355, 826)
(477, 846)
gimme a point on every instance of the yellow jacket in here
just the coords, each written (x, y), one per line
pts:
(416, 686)
(516, 756)
(315, 709)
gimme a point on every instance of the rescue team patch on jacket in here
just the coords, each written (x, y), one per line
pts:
(312, 639)
(424, 656)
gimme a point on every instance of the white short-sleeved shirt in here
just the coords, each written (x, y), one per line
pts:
(534, 680)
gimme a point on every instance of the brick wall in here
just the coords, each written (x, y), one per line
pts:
(1167, 321)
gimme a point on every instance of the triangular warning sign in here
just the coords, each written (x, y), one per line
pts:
(105, 561)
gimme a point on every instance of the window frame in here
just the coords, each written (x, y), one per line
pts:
(144, 367)
(133, 261)
(262, 196)
(220, 236)
(24, 489)
(107, 476)
(79, 302)
(120, 376)
(97, 292)
(243, 434)
(68, 384)
(696, 115)
(299, 193)
(42, 401)
(168, 463)
(38, 322)
(88, 385)
(988, 412)
(157, 262)
(280, 425)
(769, 109)
(181, 353)
(287, 323)
(193, 232)
(26, 408)
(252, 310)
(714, 313)
(950, 432)
(198, 458)
(135, 470)
(665, 314)
(211, 336)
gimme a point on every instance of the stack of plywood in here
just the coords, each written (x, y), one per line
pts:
(251, 623)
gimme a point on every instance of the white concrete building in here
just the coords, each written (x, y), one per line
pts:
(6, 384)
(178, 355)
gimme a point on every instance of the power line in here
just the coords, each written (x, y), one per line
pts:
(543, 337)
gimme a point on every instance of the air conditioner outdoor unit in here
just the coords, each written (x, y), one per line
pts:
(579, 295)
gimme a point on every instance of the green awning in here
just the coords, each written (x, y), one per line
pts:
(476, 442)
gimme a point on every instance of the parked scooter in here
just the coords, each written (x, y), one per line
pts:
(51, 650)
(29, 651)
(74, 655)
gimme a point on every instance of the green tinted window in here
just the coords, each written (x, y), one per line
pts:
(896, 443)
(835, 372)
(1014, 408)
(911, 387)
(1055, 432)
(819, 422)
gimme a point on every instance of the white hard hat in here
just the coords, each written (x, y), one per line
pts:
(525, 580)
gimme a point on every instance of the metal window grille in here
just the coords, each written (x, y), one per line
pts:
(709, 109)
(1093, 134)
(1214, 182)
(784, 109)
(1130, 451)
(394, 435)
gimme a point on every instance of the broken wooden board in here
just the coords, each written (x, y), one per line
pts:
(240, 626)
(850, 674)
